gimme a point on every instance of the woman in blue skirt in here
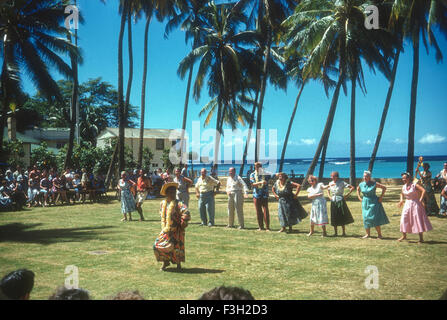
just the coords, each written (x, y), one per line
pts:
(373, 213)
(127, 199)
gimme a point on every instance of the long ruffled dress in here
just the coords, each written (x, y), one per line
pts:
(127, 199)
(413, 219)
(318, 213)
(373, 212)
(430, 200)
(290, 210)
(170, 243)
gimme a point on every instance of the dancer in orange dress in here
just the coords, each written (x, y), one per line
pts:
(170, 243)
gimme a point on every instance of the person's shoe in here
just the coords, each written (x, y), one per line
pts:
(241, 227)
(210, 225)
(202, 224)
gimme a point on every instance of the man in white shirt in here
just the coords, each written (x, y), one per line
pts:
(236, 190)
(205, 186)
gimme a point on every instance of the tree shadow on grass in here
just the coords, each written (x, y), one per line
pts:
(194, 270)
(19, 232)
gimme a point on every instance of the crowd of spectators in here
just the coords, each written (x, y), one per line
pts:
(43, 187)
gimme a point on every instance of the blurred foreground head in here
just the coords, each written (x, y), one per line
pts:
(17, 285)
(227, 293)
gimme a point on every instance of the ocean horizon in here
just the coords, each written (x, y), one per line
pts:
(384, 167)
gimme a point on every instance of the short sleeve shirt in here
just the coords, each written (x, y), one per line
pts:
(338, 188)
(262, 192)
(207, 184)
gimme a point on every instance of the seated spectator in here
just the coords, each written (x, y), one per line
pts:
(45, 188)
(5, 198)
(33, 190)
(59, 189)
(227, 293)
(18, 195)
(100, 185)
(126, 295)
(77, 186)
(9, 176)
(62, 293)
(18, 284)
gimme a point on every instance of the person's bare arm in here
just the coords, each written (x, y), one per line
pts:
(358, 194)
(401, 200)
(297, 186)
(351, 189)
(444, 194)
(422, 191)
(381, 186)
(274, 193)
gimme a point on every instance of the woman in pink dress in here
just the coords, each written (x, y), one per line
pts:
(414, 219)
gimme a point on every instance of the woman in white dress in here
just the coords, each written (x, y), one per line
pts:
(318, 213)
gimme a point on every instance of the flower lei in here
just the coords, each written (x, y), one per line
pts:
(170, 209)
(279, 185)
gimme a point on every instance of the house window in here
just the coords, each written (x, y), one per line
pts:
(60, 145)
(159, 144)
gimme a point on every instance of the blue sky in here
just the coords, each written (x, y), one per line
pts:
(166, 93)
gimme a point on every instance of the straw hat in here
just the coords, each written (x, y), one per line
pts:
(166, 186)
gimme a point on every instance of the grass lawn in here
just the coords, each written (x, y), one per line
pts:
(270, 265)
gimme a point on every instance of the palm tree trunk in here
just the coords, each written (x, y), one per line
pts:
(218, 133)
(352, 180)
(283, 152)
(130, 77)
(322, 160)
(74, 97)
(250, 129)
(185, 108)
(262, 94)
(414, 88)
(143, 93)
(384, 112)
(185, 113)
(121, 108)
(111, 166)
(327, 130)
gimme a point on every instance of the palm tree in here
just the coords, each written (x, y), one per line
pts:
(295, 72)
(161, 9)
(33, 41)
(190, 20)
(419, 18)
(332, 34)
(396, 30)
(219, 57)
(269, 14)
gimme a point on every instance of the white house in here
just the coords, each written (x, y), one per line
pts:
(155, 139)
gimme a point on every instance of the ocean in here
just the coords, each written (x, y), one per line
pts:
(384, 167)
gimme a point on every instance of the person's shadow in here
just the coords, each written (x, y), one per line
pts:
(194, 270)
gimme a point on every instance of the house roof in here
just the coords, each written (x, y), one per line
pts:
(22, 137)
(49, 134)
(134, 133)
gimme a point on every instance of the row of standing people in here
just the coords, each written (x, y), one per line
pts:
(169, 247)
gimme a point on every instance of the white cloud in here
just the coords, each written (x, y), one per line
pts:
(398, 141)
(308, 142)
(430, 138)
(368, 142)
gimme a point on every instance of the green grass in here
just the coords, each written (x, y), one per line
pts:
(270, 265)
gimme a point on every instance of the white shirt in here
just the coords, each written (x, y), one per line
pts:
(338, 189)
(236, 184)
(316, 190)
